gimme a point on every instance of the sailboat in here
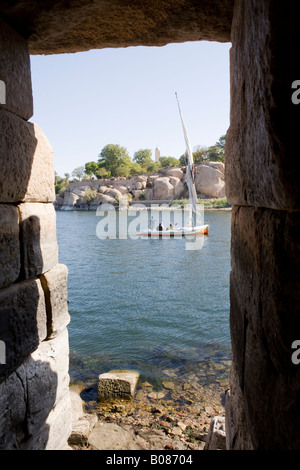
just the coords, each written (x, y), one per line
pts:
(194, 226)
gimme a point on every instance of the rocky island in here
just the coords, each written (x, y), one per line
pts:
(165, 186)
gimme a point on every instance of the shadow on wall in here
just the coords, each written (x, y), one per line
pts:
(28, 385)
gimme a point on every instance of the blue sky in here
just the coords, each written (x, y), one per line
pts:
(126, 96)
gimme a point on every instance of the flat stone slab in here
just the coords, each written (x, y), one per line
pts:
(117, 384)
(111, 436)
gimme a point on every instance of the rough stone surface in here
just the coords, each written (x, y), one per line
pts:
(49, 403)
(209, 181)
(9, 245)
(237, 434)
(117, 384)
(162, 188)
(54, 283)
(262, 167)
(111, 436)
(12, 410)
(15, 72)
(175, 172)
(57, 428)
(56, 27)
(23, 322)
(264, 320)
(27, 171)
(82, 423)
(38, 238)
(217, 165)
(216, 438)
(40, 186)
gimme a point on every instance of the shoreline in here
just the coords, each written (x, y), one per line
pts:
(131, 207)
(174, 413)
(151, 420)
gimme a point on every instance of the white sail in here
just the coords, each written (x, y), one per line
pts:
(193, 200)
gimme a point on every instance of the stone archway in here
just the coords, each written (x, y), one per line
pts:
(262, 184)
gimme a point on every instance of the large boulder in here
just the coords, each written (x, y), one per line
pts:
(114, 193)
(103, 189)
(210, 181)
(177, 185)
(217, 165)
(81, 190)
(70, 198)
(122, 189)
(162, 188)
(176, 172)
(105, 199)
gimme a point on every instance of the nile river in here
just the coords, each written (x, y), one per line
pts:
(149, 305)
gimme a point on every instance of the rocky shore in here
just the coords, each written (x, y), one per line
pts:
(180, 415)
(165, 186)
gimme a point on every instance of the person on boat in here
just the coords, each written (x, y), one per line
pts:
(160, 228)
(171, 226)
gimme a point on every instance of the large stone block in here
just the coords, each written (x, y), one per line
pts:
(27, 169)
(54, 283)
(13, 410)
(117, 384)
(9, 245)
(262, 164)
(237, 434)
(35, 406)
(15, 72)
(47, 385)
(264, 321)
(39, 251)
(23, 322)
(87, 25)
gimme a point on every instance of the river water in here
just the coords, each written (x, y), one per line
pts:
(150, 305)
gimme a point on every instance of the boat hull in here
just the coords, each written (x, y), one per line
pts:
(184, 232)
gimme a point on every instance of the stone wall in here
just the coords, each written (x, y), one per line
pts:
(262, 168)
(34, 381)
(262, 182)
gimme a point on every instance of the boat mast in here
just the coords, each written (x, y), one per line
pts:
(193, 200)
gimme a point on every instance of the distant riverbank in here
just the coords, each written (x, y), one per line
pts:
(209, 204)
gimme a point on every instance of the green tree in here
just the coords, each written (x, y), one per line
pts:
(143, 157)
(91, 168)
(169, 161)
(135, 168)
(153, 167)
(123, 170)
(216, 153)
(78, 173)
(102, 172)
(199, 154)
(112, 156)
(60, 183)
